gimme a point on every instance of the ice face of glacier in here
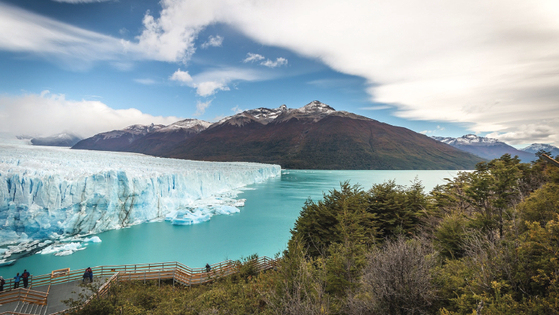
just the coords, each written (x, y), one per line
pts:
(48, 193)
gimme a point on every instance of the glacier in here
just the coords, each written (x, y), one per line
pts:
(49, 193)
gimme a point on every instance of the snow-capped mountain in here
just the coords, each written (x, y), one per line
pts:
(65, 139)
(487, 148)
(536, 147)
(143, 138)
(315, 136)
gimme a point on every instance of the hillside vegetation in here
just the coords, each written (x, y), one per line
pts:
(486, 242)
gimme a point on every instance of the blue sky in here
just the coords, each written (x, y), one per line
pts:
(436, 67)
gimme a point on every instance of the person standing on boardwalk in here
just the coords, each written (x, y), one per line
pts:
(25, 276)
(208, 268)
(90, 272)
(17, 278)
(2, 282)
(85, 275)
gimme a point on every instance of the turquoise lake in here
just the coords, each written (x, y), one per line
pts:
(262, 227)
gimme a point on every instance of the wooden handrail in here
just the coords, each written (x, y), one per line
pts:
(133, 272)
(550, 159)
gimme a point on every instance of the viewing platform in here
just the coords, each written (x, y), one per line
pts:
(46, 293)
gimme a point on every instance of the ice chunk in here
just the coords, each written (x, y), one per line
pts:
(62, 249)
(93, 239)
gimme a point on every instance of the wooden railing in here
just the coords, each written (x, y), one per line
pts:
(134, 272)
(550, 159)
(25, 295)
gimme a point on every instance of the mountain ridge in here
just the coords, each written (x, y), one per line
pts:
(314, 136)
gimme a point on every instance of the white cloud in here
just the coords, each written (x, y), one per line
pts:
(491, 64)
(23, 31)
(272, 64)
(46, 114)
(208, 88)
(540, 132)
(201, 107)
(213, 41)
(210, 82)
(253, 57)
(181, 76)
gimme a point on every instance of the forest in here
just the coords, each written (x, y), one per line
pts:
(485, 242)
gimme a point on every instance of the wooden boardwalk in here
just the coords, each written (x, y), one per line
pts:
(45, 293)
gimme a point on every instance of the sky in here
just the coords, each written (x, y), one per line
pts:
(438, 67)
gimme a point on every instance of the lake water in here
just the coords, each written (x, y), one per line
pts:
(262, 227)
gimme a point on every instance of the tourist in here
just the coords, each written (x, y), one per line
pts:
(17, 278)
(2, 282)
(208, 268)
(90, 272)
(85, 275)
(25, 276)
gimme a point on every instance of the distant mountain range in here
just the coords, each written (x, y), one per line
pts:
(489, 148)
(64, 139)
(315, 136)
(536, 147)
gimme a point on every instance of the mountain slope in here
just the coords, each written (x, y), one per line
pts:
(487, 148)
(535, 147)
(116, 140)
(318, 137)
(64, 139)
(166, 138)
(144, 139)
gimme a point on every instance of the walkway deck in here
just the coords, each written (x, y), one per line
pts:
(46, 293)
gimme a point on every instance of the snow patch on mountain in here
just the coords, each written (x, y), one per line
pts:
(194, 124)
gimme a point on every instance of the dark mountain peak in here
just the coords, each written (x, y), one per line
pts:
(260, 115)
(313, 111)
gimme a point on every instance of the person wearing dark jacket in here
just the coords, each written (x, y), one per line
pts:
(25, 277)
(2, 282)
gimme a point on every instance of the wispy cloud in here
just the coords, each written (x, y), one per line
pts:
(47, 114)
(273, 64)
(253, 57)
(209, 82)
(145, 81)
(23, 31)
(213, 41)
(492, 65)
(201, 107)
(379, 107)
